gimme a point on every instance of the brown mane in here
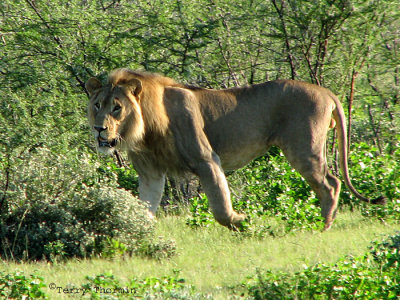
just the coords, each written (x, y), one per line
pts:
(123, 75)
(157, 142)
(154, 114)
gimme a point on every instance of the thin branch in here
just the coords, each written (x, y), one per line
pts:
(375, 129)
(58, 41)
(351, 100)
(55, 38)
(287, 43)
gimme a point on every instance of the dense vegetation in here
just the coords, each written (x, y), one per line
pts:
(60, 199)
(372, 275)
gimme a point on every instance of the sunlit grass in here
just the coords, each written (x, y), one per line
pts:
(214, 259)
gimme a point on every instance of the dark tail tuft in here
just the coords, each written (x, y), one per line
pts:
(380, 200)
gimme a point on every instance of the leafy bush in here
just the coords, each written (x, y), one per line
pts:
(387, 253)
(107, 286)
(20, 286)
(59, 207)
(157, 249)
(126, 177)
(200, 213)
(374, 175)
(360, 277)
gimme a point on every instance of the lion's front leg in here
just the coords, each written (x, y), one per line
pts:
(151, 188)
(151, 182)
(214, 183)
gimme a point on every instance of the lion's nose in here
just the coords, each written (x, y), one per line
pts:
(100, 128)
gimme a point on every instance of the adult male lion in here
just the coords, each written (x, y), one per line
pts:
(169, 127)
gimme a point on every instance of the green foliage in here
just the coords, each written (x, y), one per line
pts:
(200, 213)
(107, 286)
(273, 188)
(20, 286)
(360, 277)
(158, 249)
(114, 248)
(374, 175)
(55, 251)
(127, 178)
(59, 212)
(387, 253)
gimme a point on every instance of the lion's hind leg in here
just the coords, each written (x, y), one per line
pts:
(314, 169)
(328, 193)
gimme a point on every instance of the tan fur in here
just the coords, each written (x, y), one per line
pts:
(169, 127)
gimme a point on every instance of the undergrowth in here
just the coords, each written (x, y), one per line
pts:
(54, 213)
(373, 275)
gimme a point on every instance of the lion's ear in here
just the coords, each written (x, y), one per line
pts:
(135, 86)
(92, 85)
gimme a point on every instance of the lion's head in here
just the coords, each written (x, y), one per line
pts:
(115, 115)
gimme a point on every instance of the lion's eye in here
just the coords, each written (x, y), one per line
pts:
(97, 105)
(117, 108)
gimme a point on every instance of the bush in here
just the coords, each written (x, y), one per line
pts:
(200, 213)
(103, 286)
(387, 253)
(20, 286)
(59, 208)
(107, 286)
(374, 175)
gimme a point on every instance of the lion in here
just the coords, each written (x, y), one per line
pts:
(168, 127)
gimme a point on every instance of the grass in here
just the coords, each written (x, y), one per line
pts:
(214, 259)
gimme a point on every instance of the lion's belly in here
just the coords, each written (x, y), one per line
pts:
(238, 145)
(238, 157)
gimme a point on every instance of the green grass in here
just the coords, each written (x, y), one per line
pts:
(214, 259)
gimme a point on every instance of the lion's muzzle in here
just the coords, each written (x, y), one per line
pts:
(100, 133)
(106, 143)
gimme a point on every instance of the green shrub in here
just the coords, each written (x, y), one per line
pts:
(387, 253)
(107, 286)
(59, 208)
(374, 175)
(20, 286)
(157, 249)
(200, 213)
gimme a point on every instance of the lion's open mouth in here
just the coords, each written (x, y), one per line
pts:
(106, 143)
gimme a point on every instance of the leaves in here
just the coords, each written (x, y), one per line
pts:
(20, 286)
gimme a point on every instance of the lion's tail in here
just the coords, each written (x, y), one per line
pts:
(339, 117)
